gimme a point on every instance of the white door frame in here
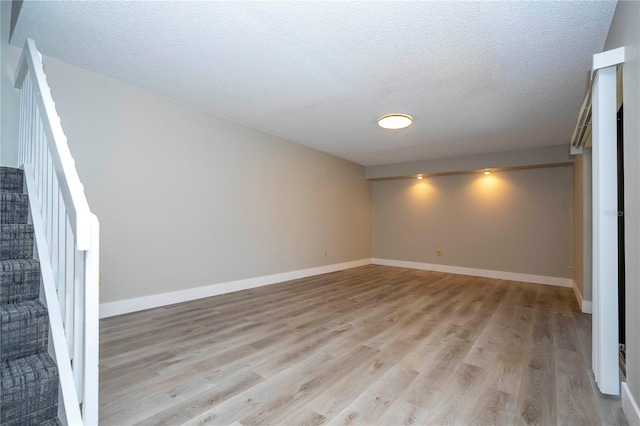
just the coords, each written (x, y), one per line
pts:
(605, 221)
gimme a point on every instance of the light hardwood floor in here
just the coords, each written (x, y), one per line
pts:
(370, 345)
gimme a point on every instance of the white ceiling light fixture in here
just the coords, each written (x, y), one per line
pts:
(260, 86)
(395, 121)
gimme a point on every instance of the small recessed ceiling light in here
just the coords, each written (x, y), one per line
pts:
(395, 121)
(487, 172)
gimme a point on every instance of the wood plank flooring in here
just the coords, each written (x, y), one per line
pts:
(370, 345)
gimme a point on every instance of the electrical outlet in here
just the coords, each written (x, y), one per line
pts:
(438, 252)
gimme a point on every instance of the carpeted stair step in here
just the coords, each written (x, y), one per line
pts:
(29, 389)
(28, 376)
(16, 242)
(19, 280)
(51, 422)
(24, 329)
(14, 208)
(11, 180)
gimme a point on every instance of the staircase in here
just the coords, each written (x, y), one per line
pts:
(49, 270)
(29, 379)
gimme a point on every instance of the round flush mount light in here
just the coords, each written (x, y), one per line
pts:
(395, 121)
(487, 172)
(420, 176)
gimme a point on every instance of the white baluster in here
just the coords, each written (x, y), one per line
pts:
(60, 249)
(55, 232)
(78, 324)
(69, 286)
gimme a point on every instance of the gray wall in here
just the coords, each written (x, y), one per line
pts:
(9, 97)
(625, 31)
(186, 199)
(516, 221)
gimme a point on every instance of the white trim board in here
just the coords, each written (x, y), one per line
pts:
(585, 305)
(485, 273)
(630, 406)
(608, 59)
(126, 306)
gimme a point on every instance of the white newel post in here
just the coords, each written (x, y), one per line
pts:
(91, 324)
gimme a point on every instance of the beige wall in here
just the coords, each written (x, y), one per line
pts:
(517, 221)
(545, 155)
(578, 222)
(186, 199)
(582, 224)
(625, 31)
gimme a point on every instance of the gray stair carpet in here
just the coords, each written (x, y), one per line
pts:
(28, 375)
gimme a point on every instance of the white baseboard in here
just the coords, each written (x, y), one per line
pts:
(576, 292)
(630, 406)
(486, 273)
(585, 305)
(120, 307)
(126, 306)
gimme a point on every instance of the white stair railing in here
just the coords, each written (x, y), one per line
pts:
(67, 241)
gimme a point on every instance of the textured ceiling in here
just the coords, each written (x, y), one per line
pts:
(476, 76)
